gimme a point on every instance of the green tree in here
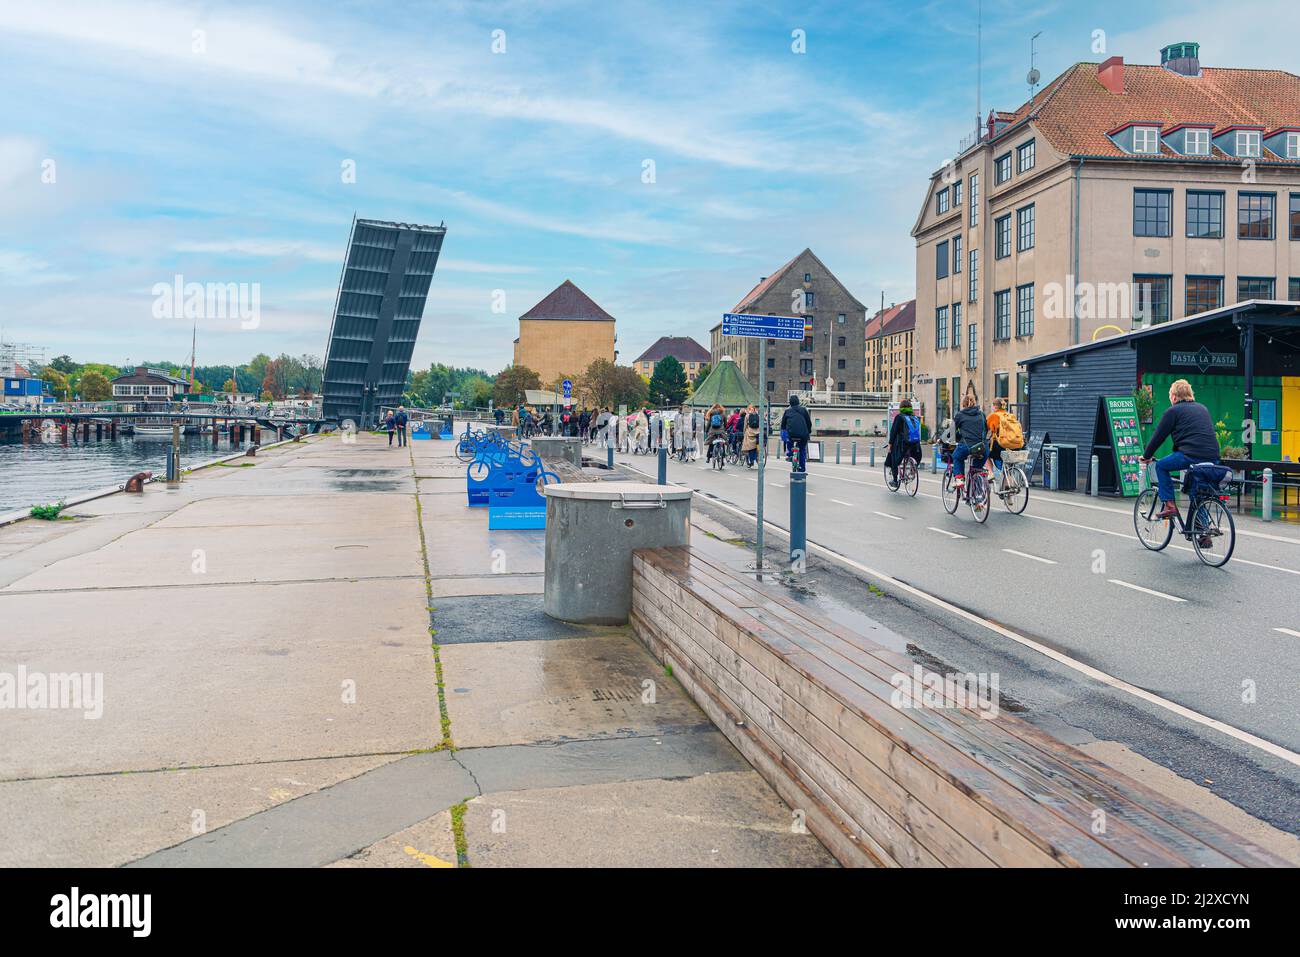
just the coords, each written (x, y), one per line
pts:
(229, 386)
(668, 385)
(511, 382)
(95, 387)
(64, 364)
(57, 380)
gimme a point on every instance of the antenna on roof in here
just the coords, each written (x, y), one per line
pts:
(1033, 76)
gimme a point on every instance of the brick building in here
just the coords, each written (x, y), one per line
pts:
(684, 349)
(889, 348)
(563, 334)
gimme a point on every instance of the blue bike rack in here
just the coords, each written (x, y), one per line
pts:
(503, 478)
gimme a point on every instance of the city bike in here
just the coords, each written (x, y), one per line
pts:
(1208, 525)
(975, 490)
(909, 479)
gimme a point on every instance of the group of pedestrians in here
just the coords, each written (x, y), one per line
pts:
(395, 421)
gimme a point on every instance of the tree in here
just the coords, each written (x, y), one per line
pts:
(476, 391)
(95, 387)
(511, 382)
(276, 379)
(228, 387)
(64, 364)
(703, 373)
(57, 380)
(668, 385)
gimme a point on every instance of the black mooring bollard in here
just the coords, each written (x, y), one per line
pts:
(798, 520)
(663, 465)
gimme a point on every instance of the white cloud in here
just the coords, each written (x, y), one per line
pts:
(265, 249)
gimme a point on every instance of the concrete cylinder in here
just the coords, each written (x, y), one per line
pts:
(592, 529)
(557, 448)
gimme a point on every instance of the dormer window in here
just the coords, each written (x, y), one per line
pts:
(1146, 139)
(1197, 142)
(1293, 146)
(1248, 143)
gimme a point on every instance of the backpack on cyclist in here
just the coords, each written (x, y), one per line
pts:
(1010, 434)
(913, 428)
(715, 420)
(752, 420)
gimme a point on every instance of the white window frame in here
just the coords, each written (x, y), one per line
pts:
(1202, 140)
(1292, 146)
(1249, 143)
(1140, 133)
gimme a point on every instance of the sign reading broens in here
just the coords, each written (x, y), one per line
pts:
(1204, 359)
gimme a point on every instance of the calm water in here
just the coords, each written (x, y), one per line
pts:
(39, 472)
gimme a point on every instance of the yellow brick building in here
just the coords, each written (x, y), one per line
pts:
(563, 334)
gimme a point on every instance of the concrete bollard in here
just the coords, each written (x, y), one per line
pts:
(853, 452)
(934, 458)
(871, 459)
(663, 465)
(837, 451)
(1267, 513)
(798, 519)
(1094, 476)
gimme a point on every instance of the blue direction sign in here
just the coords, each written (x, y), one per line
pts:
(763, 327)
(568, 391)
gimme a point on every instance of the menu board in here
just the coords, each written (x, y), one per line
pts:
(1126, 440)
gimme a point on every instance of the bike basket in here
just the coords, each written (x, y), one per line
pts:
(1014, 456)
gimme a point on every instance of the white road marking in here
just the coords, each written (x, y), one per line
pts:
(896, 518)
(944, 531)
(1149, 591)
(1045, 561)
(840, 502)
(1288, 631)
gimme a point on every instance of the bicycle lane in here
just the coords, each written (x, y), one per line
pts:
(1163, 622)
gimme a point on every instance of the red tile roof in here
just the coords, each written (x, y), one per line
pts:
(567, 301)
(681, 348)
(763, 286)
(1075, 110)
(900, 317)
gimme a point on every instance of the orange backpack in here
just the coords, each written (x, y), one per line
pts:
(1010, 435)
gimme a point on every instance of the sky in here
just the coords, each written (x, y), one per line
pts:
(663, 156)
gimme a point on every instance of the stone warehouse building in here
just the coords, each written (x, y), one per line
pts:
(1165, 190)
(563, 334)
(890, 334)
(684, 349)
(832, 346)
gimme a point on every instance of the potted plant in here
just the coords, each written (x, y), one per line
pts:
(1145, 403)
(1227, 449)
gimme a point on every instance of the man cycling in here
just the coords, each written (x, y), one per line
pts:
(1195, 441)
(904, 439)
(797, 425)
(968, 424)
(716, 423)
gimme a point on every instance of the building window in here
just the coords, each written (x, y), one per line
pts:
(1293, 146)
(1151, 212)
(771, 363)
(805, 366)
(1202, 294)
(1025, 310)
(941, 260)
(809, 299)
(974, 199)
(1151, 300)
(941, 327)
(807, 277)
(941, 201)
(1197, 142)
(974, 273)
(1295, 216)
(1146, 139)
(1248, 142)
(1002, 315)
(956, 193)
(840, 341)
(1293, 290)
(1025, 228)
(1025, 156)
(1001, 382)
(1255, 287)
(807, 344)
(956, 325)
(972, 343)
(1255, 215)
(771, 386)
(1002, 169)
(1204, 215)
(840, 318)
(839, 363)
(1002, 237)
(956, 255)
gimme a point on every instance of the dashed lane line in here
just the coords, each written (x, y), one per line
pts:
(842, 502)
(896, 518)
(1148, 591)
(944, 531)
(1045, 561)
(1288, 631)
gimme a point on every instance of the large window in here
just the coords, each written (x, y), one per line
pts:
(974, 274)
(956, 325)
(1293, 290)
(941, 327)
(1025, 156)
(1295, 216)
(1150, 300)
(974, 199)
(1255, 215)
(1002, 237)
(941, 201)
(972, 346)
(1204, 214)
(1001, 383)
(941, 260)
(1255, 287)
(1151, 212)
(1002, 169)
(956, 255)
(1025, 310)
(1001, 315)
(1203, 293)
(1025, 228)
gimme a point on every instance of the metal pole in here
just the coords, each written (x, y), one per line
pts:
(871, 459)
(1095, 474)
(837, 451)
(174, 456)
(1052, 460)
(765, 407)
(798, 518)
(934, 458)
(853, 452)
(663, 465)
(609, 455)
(1267, 514)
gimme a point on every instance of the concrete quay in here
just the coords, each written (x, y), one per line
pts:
(323, 657)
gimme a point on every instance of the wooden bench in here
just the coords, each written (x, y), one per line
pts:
(818, 710)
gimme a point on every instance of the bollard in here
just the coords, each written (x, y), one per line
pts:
(1144, 477)
(609, 456)
(871, 459)
(663, 465)
(837, 451)
(798, 519)
(1056, 479)
(1267, 513)
(934, 458)
(853, 452)
(1094, 476)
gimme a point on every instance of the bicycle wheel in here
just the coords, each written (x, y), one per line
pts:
(465, 450)
(1214, 535)
(1152, 532)
(950, 494)
(977, 495)
(1017, 495)
(889, 479)
(911, 477)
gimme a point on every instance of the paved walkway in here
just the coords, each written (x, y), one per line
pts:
(270, 694)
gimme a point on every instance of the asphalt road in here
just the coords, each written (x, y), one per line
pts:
(1070, 576)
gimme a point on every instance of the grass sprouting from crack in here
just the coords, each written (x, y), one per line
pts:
(458, 833)
(444, 720)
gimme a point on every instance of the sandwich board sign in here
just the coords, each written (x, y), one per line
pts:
(1117, 440)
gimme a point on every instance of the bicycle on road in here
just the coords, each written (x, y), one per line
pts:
(1013, 486)
(909, 479)
(1208, 525)
(718, 452)
(975, 491)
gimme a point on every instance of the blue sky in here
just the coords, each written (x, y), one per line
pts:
(219, 155)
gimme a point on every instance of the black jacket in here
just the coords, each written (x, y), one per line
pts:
(969, 425)
(796, 423)
(1192, 429)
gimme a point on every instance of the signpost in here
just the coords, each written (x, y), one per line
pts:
(762, 328)
(568, 393)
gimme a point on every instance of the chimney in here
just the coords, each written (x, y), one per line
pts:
(1182, 58)
(1111, 74)
(992, 125)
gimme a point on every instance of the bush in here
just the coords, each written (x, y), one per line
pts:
(48, 513)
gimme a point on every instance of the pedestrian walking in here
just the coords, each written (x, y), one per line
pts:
(399, 423)
(390, 426)
(749, 445)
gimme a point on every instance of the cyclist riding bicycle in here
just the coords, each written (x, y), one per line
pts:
(968, 424)
(715, 420)
(904, 438)
(1195, 442)
(797, 425)
(1005, 433)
